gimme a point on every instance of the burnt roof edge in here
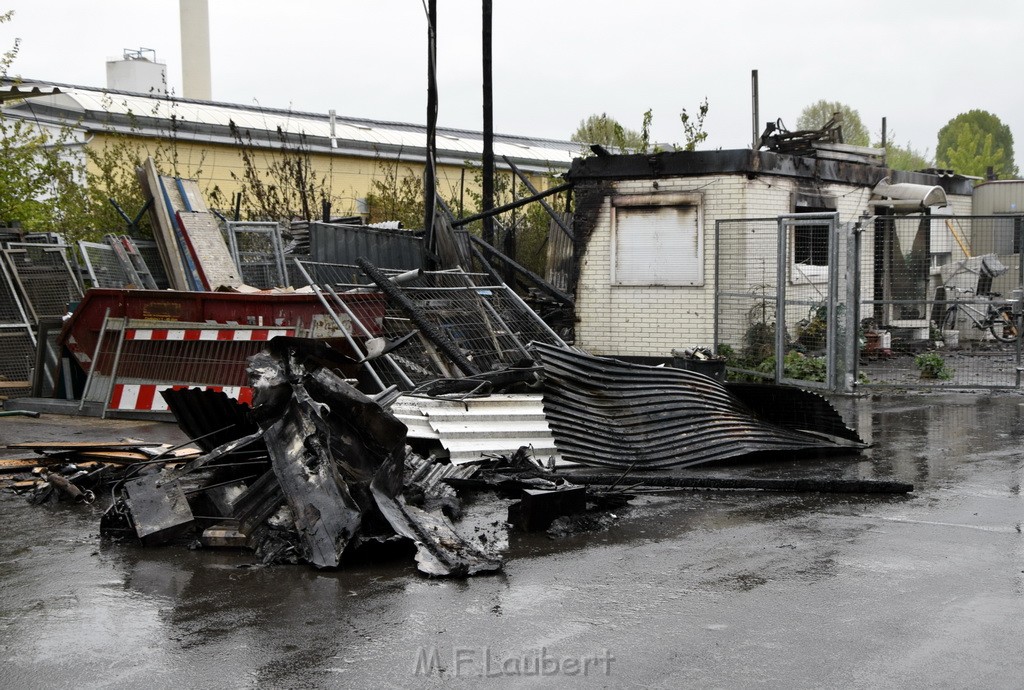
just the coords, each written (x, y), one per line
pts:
(751, 164)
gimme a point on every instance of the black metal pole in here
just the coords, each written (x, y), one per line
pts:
(488, 162)
(429, 183)
(755, 112)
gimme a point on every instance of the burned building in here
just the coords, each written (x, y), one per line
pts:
(650, 251)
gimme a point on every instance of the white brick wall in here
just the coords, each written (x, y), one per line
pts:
(631, 320)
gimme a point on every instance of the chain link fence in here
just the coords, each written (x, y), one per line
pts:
(940, 301)
(897, 301)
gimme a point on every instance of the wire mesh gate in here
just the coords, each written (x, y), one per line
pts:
(781, 296)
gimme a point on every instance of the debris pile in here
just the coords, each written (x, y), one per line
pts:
(325, 472)
(77, 471)
(414, 390)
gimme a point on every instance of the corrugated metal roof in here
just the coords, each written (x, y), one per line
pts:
(609, 413)
(16, 92)
(496, 424)
(129, 110)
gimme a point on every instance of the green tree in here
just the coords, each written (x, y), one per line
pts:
(23, 161)
(817, 115)
(606, 131)
(280, 184)
(899, 157)
(396, 195)
(972, 142)
(47, 184)
(693, 127)
(906, 158)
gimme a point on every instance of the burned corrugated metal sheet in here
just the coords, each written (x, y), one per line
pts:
(343, 244)
(609, 413)
(793, 408)
(469, 428)
(431, 475)
(210, 418)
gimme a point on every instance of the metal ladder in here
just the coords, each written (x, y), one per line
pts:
(131, 261)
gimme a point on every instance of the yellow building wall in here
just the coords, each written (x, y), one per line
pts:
(220, 170)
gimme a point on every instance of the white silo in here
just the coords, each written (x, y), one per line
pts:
(137, 71)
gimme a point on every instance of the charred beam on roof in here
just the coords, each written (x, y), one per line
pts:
(515, 204)
(521, 270)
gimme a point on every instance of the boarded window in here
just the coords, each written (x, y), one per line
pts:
(658, 245)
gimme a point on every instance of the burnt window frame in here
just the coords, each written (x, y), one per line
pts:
(810, 240)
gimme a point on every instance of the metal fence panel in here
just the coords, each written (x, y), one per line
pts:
(102, 265)
(344, 244)
(488, 323)
(931, 291)
(17, 344)
(746, 295)
(45, 280)
(257, 250)
(781, 302)
(809, 268)
(150, 253)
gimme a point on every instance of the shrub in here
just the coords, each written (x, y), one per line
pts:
(933, 366)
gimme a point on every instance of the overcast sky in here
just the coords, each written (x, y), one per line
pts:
(557, 61)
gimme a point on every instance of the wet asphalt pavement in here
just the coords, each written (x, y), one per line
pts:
(690, 589)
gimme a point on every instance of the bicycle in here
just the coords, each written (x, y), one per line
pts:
(999, 318)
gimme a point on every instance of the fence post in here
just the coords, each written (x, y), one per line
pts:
(1018, 294)
(780, 299)
(851, 342)
(717, 308)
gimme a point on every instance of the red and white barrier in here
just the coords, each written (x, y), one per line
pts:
(146, 396)
(215, 334)
(143, 393)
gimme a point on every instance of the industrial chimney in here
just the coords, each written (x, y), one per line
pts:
(195, 49)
